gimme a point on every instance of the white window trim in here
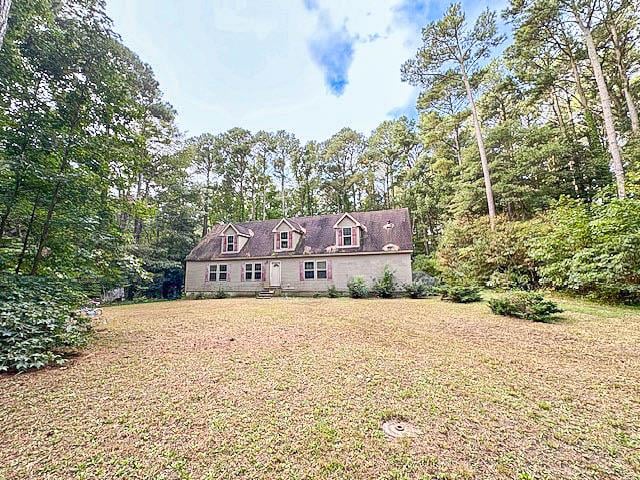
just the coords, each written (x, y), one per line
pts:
(226, 239)
(315, 270)
(218, 265)
(253, 272)
(289, 242)
(353, 245)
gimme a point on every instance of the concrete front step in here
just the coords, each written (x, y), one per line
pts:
(265, 294)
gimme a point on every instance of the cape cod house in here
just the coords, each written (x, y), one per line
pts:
(302, 254)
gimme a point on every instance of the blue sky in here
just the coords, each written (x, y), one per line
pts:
(307, 66)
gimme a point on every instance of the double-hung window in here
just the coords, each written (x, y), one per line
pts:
(321, 270)
(222, 273)
(284, 240)
(315, 270)
(253, 271)
(213, 273)
(309, 270)
(230, 243)
(218, 273)
(346, 236)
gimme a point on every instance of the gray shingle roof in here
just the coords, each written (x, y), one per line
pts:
(319, 236)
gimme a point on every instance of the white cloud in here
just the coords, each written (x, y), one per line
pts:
(245, 63)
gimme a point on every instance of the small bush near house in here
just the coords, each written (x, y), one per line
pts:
(332, 292)
(418, 290)
(358, 288)
(220, 293)
(527, 305)
(460, 294)
(39, 322)
(385, 286)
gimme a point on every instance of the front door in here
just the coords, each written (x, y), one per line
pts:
(275, 274)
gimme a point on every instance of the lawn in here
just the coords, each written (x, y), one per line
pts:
(299, 388)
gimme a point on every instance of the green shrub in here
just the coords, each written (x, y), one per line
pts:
(527, 305)
(461, 294)
(358, 288)
(418, 290)
(591, 249)
(509, 280)
(385, 286)
(332, 292)
(220, 293)
(39, 322)
(427, 264)
(470, 252)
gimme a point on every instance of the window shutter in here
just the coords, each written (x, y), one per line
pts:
(301, 271)
(206, 273)
(329, 270)
(242, 273)
(224, 243)
(235, 243)
(277, 240)
(354, 233)
(339, 237)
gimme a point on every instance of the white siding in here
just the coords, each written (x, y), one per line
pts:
(343, 268)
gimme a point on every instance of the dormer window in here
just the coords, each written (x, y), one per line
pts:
(231, 242)
(284, 240)
(346, 236)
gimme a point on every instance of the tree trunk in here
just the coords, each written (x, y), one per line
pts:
(137, 223)
(456, 140)
(284, 203)
(14, 196)
(624, 79)
(5, 6)
(25, 241)
(47, 225)
(205, 220)
(483, 154)
(605, 100)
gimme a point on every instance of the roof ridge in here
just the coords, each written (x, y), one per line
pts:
(324, 215)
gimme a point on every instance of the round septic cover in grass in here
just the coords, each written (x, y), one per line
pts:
(400, 428)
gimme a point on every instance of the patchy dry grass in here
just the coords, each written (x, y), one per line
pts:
(298, 388)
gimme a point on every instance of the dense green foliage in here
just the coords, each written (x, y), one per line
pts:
(591, 249)
(357, 288)
(39, 322)
(527, 305)
(418, 289)
(386, 286)
(461, 294)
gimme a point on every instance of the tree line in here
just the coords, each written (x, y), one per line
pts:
(98, 184)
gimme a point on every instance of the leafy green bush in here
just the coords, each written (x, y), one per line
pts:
(509, 280)
(461, 294)
(39, 322)
(527, 305)
(332, 292)
(591, 249)
(418, 290)
(427, 264)
(358, 288)
(470, 252)
(385, 286)
(220, 293)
